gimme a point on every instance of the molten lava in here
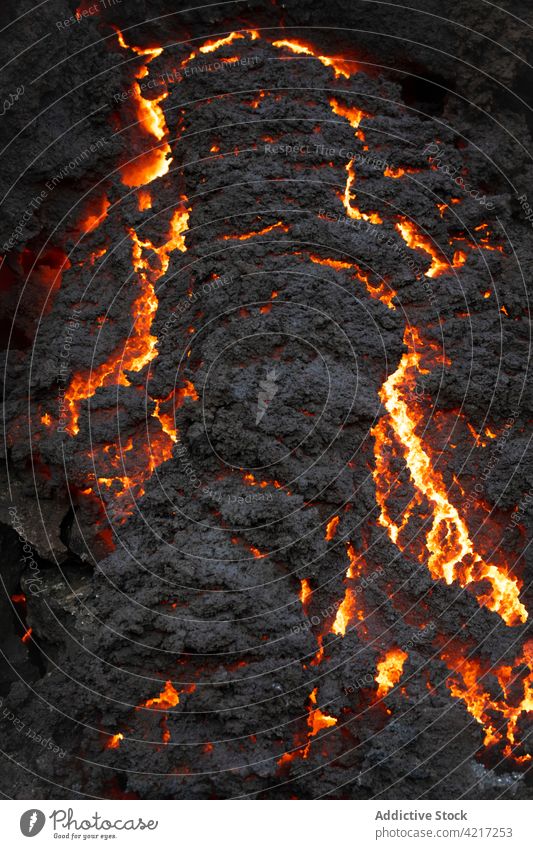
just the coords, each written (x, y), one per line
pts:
(243, 236)
(498, 716)
(305, 594)
(380, 291)
(356, 562)
(114, 741)
(316, 721)
(140, 346)
(394, 173)
(154, 162)
(341, 67)
(414, 239)
(331, 528)
(353, 115)
(354, 212)
(347, 611)
(390, 669)
(95, 216)
(177, 398)
(249, 479)
(212, 45)
(448, 546)
(144, 200)
(167, 698)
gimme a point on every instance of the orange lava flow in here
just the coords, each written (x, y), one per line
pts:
(380, 292)
(127, 484)
(151, 116)
(416, 241)
(337, 264)
(451, 551)
(249, 479)
(459, 259)
(155, 162)
(152, 52)
(353, 115)
(354, 212)
(177, 396)
(212, 45)
(18, 598)
(243, 236)
(395, 173)
(114, 741)
(316, 721)
(114, 460)
(146, 167)
(319, 654)
(158, 451)
(331, 528)
(259, 555)
(347, 611)
(167, 698)
(483, 242)
(27, 635)
(498, 716)
(95, 217)
(140, 347)
(341, 67)
(144, 200)
(305, 593)
(96, 255)
(356, 562)
(477, 436)
(390, 669)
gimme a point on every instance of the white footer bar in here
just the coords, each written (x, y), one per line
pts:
(270, 824)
